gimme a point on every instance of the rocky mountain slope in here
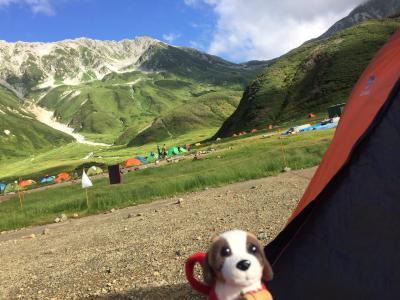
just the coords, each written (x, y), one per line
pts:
(309, 78)
(113, 91)
(20, 133)
(372, 9)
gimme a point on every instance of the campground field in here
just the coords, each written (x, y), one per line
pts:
(139, 252)
(230, 160)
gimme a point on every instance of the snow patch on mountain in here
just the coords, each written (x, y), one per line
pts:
(47, 117)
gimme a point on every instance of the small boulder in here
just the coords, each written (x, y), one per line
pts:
(57, 220)
(63, 218)
(46, 231)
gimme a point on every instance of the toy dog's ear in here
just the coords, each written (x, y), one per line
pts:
(208, 273)
(268, 274)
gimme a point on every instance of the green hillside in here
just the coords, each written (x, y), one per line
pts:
(142, 107)
(309, 78)
(20, 133)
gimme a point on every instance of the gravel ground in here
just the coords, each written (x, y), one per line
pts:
(139, 252)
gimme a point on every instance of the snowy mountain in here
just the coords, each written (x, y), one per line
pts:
(26, 66)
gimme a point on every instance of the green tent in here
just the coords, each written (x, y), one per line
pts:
(11, 188)
(152, 156)
(172, 151)
(182, 150)
(94, 170)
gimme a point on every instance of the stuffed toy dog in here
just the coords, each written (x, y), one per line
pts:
(234, 268)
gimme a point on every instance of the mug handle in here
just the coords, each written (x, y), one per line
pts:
(197, 258)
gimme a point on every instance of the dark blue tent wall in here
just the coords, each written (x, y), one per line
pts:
(348, 246)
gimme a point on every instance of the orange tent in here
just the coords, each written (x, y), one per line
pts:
(311, 115)
(130, 162)
(62, 177)
(343, 237)
(269, 126)
(25, 183)
(253, 130)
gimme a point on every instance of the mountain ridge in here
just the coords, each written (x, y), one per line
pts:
(368, 10)
(310, 78)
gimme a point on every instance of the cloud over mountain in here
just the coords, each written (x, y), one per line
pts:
(261, 29)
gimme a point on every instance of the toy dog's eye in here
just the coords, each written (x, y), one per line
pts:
(226, 251)
(252, 249)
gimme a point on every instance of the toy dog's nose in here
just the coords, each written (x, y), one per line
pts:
(243, 265)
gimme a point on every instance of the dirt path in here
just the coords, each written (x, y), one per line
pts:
(139, 252)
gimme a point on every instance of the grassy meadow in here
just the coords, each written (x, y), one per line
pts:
(235, 159)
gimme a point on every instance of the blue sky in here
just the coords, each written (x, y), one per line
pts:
(237, 30)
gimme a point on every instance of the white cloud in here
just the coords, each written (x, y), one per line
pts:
(264, 29)
(170, 37)
(37, 6)
(191, 2)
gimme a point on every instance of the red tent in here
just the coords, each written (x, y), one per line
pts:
(343, 239)
(130, 162)
(62, 177)
(26, 183)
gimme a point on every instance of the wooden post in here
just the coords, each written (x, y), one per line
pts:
(20, 198)
(283, 155)
(87, 198)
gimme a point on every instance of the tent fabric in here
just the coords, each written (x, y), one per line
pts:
(366, 99)
(130, 162)
(11, 187)
(47, 179)
(342, 240)
(26, 183)
(94, 170)
(152, 156)
(141, 158)
(172, 151)
(182, 150)
(2, 187)
(62, 177)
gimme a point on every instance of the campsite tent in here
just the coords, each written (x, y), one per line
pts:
(253, 130)
(47, 179)
(152, 156)
(62, 177)
(342, 241)
(141, 158)
(26, 183)
(182, 150)
(94, 170)
(2, 187)
(130, 162)
(172, 151)
(11, 188)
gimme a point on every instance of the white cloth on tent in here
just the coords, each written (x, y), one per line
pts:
(86, 181)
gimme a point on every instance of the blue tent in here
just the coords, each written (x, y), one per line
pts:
(47, 179)
(142, 159)
(2, 187)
